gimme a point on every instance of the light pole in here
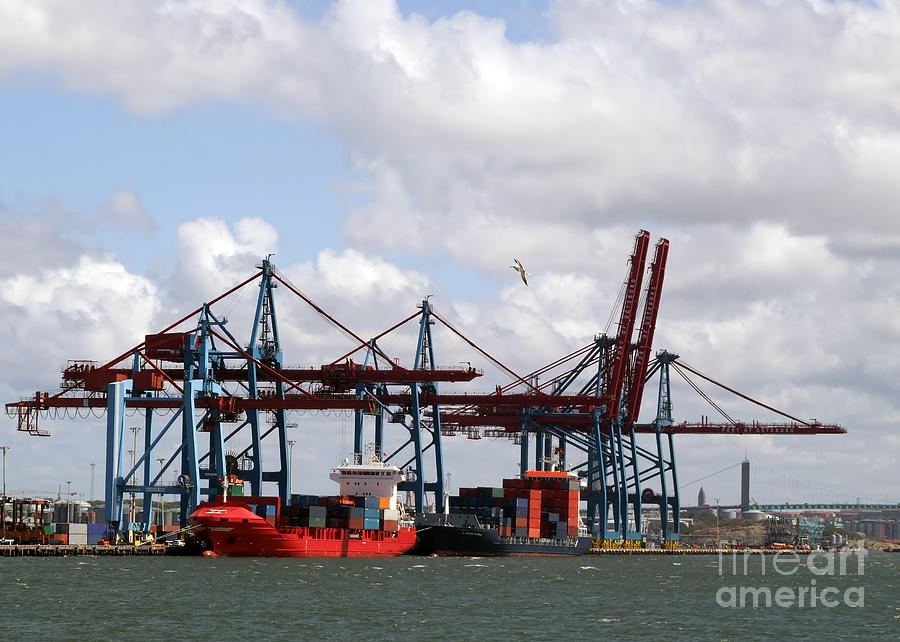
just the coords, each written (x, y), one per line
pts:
(291, 443)
(4, 449)
(717, 522)
(3, 497)
(162, 502)
(135, 430)
(69, 501)
(130, 481)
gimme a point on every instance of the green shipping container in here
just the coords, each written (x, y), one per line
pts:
(49, 529)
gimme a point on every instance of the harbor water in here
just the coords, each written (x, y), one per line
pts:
(620, 597)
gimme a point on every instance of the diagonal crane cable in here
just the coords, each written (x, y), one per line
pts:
(710, 475)
(703, 394)
(741, 395)
(337, 324)
(496, 362)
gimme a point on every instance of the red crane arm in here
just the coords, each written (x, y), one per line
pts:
(648, 327)
(619, 358)
(341, 375)
(511, 423)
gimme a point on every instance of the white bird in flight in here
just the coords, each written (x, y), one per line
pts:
(520, 269)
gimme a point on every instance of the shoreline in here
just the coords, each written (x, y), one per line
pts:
(65, 550)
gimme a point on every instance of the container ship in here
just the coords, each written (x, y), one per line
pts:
(534, 515)
(363, 521)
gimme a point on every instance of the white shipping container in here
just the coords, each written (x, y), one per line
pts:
(78, 539)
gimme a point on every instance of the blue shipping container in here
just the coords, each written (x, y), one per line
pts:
(372, 523)
(97, 529)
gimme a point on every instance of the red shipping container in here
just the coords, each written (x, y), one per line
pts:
(148, 380)
(167, 346)
(534, 532)
(572, 529)
(60, 538)
(98, 380)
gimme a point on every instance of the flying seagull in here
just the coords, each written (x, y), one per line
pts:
(520, 269)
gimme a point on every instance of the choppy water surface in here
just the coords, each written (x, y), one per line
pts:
(79, 598)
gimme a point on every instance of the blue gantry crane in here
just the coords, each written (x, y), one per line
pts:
(196, 384)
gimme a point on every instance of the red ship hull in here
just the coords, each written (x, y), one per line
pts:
(233, 530)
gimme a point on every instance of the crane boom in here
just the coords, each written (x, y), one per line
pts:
(619, 358)
(635, 388)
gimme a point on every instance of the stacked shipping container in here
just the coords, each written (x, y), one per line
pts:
(76, 534)
(531, 507)
(355, 513)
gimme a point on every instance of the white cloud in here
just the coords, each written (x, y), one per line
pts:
(759, 137)
(91, 309)
(125, 210)
(212, 258)
(781, 111)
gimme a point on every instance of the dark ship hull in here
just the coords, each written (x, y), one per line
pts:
(450, 540)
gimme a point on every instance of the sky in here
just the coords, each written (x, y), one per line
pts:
(154, 152)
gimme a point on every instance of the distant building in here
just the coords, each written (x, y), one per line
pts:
(701, 497)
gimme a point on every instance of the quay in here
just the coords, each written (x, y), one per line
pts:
(693, 551)
(64, 550)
